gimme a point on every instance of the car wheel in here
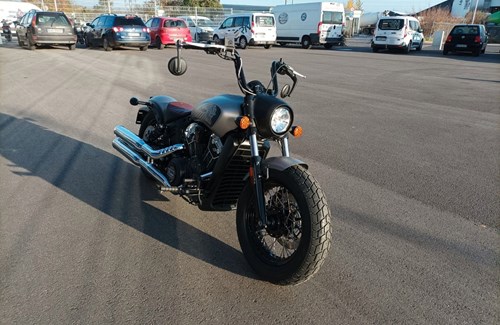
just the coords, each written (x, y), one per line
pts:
(419, 48)
(216, 39)
(106, 45)
(408, 48)
(267, 46)
(31, 46)
(243, 42)
(158, 43)
(143, 48)
(72, 47)
(306, 42)
(328, 46)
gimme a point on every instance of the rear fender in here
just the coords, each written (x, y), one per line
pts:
(158, 105)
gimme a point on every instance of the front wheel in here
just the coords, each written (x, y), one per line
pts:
(296, 240)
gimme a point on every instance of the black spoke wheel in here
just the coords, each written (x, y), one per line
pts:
(296, 240)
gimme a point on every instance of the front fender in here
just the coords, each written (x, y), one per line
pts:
(281, 163)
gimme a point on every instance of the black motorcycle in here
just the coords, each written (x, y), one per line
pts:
(6, 32)
(215, 156)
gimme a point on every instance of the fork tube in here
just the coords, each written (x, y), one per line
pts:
(285, 151)
(257, 179)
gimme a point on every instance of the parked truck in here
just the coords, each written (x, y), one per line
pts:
(307, 24)
(368, 20)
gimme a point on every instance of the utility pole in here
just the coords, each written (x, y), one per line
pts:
(474, 14)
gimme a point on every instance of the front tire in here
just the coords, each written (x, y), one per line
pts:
(297, 238)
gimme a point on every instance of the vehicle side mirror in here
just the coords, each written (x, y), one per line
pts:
(420, 30)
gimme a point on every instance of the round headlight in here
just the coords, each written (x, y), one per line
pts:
(281, 120)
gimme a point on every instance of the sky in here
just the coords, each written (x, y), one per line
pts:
(406, 6)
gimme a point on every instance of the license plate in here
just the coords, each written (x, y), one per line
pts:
(380, 38)
(134, 34)
(54, 30)
(461, 45)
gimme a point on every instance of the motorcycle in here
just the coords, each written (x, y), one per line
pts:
(215, 156)
(6, 32)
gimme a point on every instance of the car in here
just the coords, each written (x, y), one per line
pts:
(167, 31)
(201, 28)
(37, 28)
(111, 31)
(466, 38)
(398, 33)
(247, 29)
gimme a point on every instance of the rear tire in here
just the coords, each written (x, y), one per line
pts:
(31, 46)
(158, 43)
(243, 43)
(106, 45)
(476, 52)
(296, 241)
(72, 47)
(408, 48)
(267, 46)
(306, 42)
(147, 125)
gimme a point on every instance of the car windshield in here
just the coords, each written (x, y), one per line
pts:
(465, 30)
(391, 24)
(124, 21)
(332, 17)
(264, 21)
(52, 19)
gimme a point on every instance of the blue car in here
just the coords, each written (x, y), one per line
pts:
(111, 31)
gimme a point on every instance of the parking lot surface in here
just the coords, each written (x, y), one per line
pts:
(405, 147)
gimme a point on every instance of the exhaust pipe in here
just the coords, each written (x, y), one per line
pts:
(129, 145)
(139, 145)
(149, 168)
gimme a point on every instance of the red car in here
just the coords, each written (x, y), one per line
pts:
(167, 30)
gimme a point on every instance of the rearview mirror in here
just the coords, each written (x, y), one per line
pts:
(285, 91)
(177, 66)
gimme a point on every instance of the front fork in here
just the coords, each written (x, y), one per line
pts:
(257, 175)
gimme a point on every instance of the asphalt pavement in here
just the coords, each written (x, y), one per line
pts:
(406, 147)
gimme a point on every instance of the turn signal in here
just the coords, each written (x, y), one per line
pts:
(297, 131)
(244, 122)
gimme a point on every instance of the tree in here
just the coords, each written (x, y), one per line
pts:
(202, 3)
(358, 5)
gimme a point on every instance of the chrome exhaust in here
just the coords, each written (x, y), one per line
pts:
(139, 145)
(130, 145)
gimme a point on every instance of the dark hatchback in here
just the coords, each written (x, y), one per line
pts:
(111, 31)
(37, 28)
(466, 38)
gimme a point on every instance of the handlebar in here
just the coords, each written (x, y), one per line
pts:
(227, 53)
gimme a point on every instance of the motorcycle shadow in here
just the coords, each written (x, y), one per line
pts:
(110, 185)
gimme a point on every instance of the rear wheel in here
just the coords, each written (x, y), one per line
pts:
(146, 133)
(267, 46)
(306, 42)
(31, 45)
(158, 43)
(476, 52)
(296, 240)
(243, 42)
(106, 45)
(408, 48)
(143, 48)
(419, 48)
(72, 47)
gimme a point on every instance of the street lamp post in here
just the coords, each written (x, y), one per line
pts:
(474, 14)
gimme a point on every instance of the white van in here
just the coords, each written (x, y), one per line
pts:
(248, 29)
(201, 28)
(398, 32)
(317, 23)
